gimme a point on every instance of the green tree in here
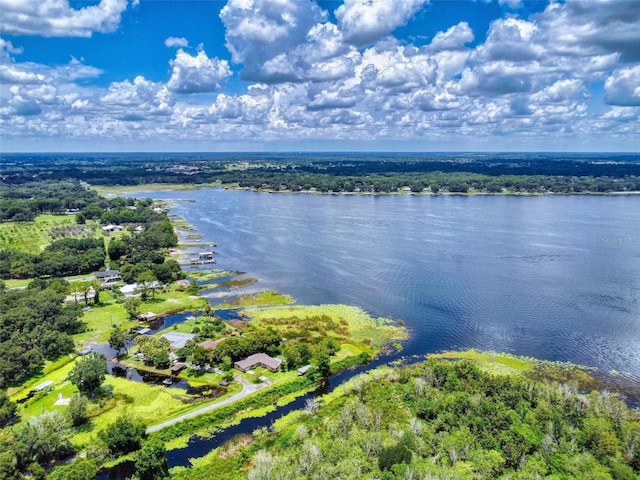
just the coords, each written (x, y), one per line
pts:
(78, 410)
(151, 461)
(147, 281)
(7, 408)
(124, 435)
(89, 372)
(321, 363)
(8, 460)
(132, 306)
(43, 438)
(118, 340)
(200, 356)
(193, 287)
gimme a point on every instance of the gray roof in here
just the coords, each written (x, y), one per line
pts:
(178, 339)
(107, 274)
(259, 359)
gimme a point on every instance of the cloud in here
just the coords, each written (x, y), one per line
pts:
(14, 74)
(537, 77)
(364, 21)
(623, 87)
(453, 39)
(176, 42)
(196, 74)
(56, 18)
(141, 97)
(260, 33)
(7, 49)
(592, 27)
(338, 99)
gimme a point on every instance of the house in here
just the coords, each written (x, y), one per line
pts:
(129, 290)
(303, 370)
(108, 276)
(80, 297)
(258, 360)
(183, 284)
(178, 339)
(147, 317)
(112, 228)
(211, 344)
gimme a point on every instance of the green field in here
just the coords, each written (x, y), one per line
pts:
(33, 236)
(346, 323)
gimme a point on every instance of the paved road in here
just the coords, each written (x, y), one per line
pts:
(247, 389)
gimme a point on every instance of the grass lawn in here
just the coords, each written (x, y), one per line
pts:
(15, 283)
(101, 319)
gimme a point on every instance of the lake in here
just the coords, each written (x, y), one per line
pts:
(553, 277)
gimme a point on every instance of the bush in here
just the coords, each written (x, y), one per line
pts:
(392, 456)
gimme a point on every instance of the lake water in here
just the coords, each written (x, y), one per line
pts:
(553, 277)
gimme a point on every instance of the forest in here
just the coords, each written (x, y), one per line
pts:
(440, 419)
(352, 172)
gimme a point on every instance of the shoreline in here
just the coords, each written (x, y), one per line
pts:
(187, 187)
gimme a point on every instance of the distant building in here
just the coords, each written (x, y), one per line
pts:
(43, 386)
(112, 228)
(182, 284)
(110, 276)
(129, 290)
(258, 360)
(80, 296)
(147, 317)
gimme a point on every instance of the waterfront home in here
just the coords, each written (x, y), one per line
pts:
(258, 360)
(177, 339)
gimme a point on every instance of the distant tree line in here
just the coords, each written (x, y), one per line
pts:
(490, 173)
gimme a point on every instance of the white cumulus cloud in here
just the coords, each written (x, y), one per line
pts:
(176, 42)
(453, 39)
(199, 73)
(259, 31)
(57, 18)
(623, 87)
(364, 21)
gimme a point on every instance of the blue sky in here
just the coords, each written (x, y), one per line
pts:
(290, 75)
